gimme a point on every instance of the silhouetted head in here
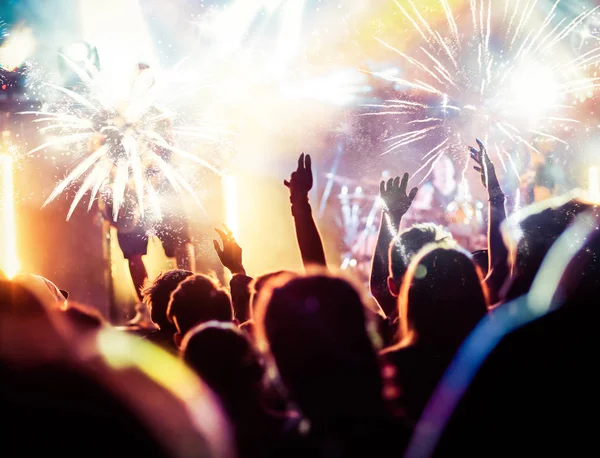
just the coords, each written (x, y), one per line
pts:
(69, 409)
(580, 282)
(198, 299)
(225, 358)
(105, 398)
(43, 289)
(407, 244)
(530, 233)
(441, 299)
(29, 328)
(315, 328)
(157, 294)
(259, 283)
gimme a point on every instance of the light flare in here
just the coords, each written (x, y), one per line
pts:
(10, 260)
(231, 203)
(121, 136)
(459, 86)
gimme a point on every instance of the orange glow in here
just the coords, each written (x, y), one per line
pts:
(594, 183)
(231, 203)
(10, 261)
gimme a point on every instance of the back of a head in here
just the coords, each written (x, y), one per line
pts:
(261, 283)
(441, 299)
(531, 232)
(580, 281)
(198, 299)
(110, 394)
(225, 358)
(157, 294)
(42, 288)
(65, 410)
(28, 328)
(410, 241)
(315, 327)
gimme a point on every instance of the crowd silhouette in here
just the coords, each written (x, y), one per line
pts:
(449, 353)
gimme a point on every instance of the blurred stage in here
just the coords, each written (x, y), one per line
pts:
(287, 77)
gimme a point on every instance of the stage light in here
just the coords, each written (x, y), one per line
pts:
(594, 184)
(534, 90)
(18, 46)
(10, 261)
(231, 203)
(79, 52)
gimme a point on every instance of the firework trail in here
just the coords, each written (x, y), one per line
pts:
(123, 143)
(501, 77)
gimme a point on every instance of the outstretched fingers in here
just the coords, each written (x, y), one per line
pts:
(218, 248)
(404, 183)
(481, 147)
(475, 154)
(413, 193)
(301, 162)
(227, 231)
(222, 234)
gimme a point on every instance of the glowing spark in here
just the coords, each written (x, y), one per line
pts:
(122, 140)
(458, 87)
(593, 183)
(231, 203)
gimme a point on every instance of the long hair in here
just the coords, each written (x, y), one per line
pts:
(316, 330)
(442, 298)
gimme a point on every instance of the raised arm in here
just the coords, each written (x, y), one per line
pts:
(307, 234)
(497, 251)
(231, 258)
(396, 203)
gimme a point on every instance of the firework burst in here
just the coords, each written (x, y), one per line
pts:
(503, 77)
(122, 142)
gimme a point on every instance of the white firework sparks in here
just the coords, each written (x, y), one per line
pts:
(122, 141)
(500, 77)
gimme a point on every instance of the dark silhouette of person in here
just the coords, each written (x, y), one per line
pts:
(441, 300)
(226, 359)
(316, 329)
(156, 295)
(198, 299)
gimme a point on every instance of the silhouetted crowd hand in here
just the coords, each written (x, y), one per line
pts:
(396, 200)
(486, 168)
(301, 181)
(231, 253)
(304, 364)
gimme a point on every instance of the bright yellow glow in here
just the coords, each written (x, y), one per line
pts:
(10, 262)
(593, 183)
(231, 204)
(533, 91)
(17, 48)
(118, 30)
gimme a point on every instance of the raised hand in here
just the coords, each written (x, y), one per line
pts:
(231, 253)
(396, 200)
(301, 181)
(485, 167)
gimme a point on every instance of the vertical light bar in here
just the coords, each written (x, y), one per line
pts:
(10, 262)
(593, 183)
(231, 203)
